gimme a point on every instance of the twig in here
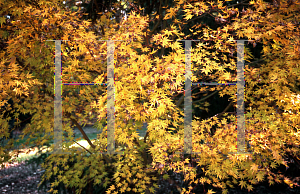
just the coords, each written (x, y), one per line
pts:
(206, 97)
(224, 111)
(81, 130)
(82, 147)
(85, 136)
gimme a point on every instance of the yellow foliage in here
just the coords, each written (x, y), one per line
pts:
(27, 73)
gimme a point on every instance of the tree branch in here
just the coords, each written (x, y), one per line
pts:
(224, 111)
(147, 134)
(159, 19)
(206, 97)
(198, 17)
(220, 114)
(257, 61)
(81, 130)
(181, 98)
(85, 136)
(82, 147)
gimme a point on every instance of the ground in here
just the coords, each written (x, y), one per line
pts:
(23, 179)
(18, 178)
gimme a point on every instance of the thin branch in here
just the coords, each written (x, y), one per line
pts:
(206, 97)
(102, 29)
(81, 130)
(257, 61)
(135, 8)
(82, 147)
(195, 87)
(180, 101)
(228, 106)
(198, 17)
(96, 4)
(180, 92)
(147, 134)
(224, 111)
(194, 95)
(159, 20)
(16, 125)
(220, 114)
(177, 94)
(85, 136)
(91, 52)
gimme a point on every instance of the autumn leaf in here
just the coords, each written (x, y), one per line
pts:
(260, 177)
(249, 188)
(210, 191)
(2, 20)
(242, 184)
(206, 70)
(226, 76)
(188, 16)
(254, 167)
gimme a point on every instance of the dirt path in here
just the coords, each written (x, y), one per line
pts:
(18, 178)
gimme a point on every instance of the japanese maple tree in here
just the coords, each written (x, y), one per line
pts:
(145, 86)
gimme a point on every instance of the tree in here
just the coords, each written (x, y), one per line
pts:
(142, 76)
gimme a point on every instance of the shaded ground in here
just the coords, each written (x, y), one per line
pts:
(20, 178)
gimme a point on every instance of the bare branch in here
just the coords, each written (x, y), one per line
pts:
(81, 130)
(206, 97)
(85, 136)
(82, 147)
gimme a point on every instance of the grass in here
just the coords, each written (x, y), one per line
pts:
(27, 153)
